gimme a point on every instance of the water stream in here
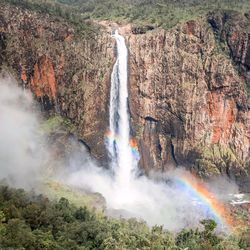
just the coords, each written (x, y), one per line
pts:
(122, 160)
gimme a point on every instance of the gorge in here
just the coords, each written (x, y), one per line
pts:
(154, 102)
(203, 64)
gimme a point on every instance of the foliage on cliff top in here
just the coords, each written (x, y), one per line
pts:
(28, 221)
(163, 13)
(57, 10)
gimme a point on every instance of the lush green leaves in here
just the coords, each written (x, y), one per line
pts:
(30, 222)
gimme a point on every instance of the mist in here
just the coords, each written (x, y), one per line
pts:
(21, 148)
(157, 199)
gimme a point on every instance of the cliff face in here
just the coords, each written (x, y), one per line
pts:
(189, 100)
(188, 86)
(67, 72)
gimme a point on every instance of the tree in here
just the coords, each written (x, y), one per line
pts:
(2, 226)
(18, 235)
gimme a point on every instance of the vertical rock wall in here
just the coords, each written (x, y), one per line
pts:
(189, 100)
(188, 86)
(67, 70)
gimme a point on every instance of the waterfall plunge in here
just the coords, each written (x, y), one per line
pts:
(122, 159)
(160, 200)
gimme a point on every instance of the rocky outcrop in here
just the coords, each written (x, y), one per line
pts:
(189, 102)
(43, 81)
(68, 70)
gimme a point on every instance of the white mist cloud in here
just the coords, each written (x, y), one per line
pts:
(158, 200)
(21, 152)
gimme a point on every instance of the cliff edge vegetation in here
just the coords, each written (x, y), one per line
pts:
(159, 13)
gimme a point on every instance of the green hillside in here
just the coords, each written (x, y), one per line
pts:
(163, 13)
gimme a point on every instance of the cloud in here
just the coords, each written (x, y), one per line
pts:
(157, 200)
(24, 154)
(21, 151)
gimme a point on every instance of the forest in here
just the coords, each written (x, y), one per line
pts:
(30, 221)
(160, 13)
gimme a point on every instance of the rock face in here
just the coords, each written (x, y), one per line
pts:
(188, 86)
(68, 72)
(189, 102)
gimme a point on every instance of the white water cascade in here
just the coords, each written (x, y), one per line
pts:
(165, 199)
(122, 159)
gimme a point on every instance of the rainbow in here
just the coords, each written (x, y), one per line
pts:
(132, 143)
(212, 206)
(195, 188)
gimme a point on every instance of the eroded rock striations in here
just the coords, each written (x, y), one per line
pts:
(68, 72)
(188, 86)
(189, 101)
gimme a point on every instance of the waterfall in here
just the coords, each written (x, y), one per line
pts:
(173, 199)
(122, 159)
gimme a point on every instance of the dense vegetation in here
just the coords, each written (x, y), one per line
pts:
(164, 13)
(28, 221)
(57, 10)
